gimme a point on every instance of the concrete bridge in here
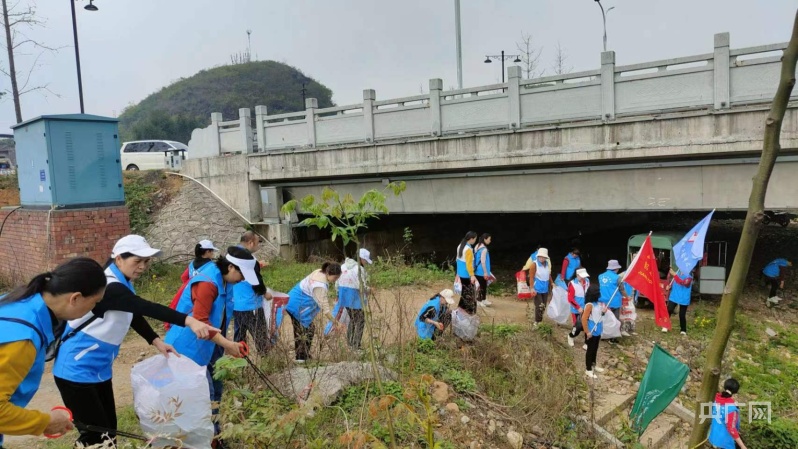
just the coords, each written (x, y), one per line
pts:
(677, 134)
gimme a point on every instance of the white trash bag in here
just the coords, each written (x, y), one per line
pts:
(611, 328)
(559, 309)
(172, 400)
(464, 325)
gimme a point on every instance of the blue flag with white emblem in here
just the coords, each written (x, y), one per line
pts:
(690, 248)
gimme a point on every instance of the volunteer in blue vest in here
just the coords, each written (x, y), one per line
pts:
(774, 275)
(83, 368)
(207, 299)
(349, 295)
(612, 288)
(248, 310)
(681, 288)
(432, 318)
(305, 301)
(466, 274)
(30, 316)
(577, 289)
(570, 264)
(250, 242)
(724, 431)
(541, 283)
(482, 270)
(203, 253)
(591, 323)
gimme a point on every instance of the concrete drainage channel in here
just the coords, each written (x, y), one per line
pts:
(660, 434)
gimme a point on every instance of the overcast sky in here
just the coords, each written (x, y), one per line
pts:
(131, 48)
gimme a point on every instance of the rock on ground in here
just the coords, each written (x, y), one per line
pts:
(323, 384)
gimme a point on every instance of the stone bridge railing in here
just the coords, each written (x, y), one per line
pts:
(713, 81)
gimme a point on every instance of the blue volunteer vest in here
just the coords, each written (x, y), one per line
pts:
(480, 270)
(349, 297)
(301, 304)
(424, 330)
(32, 310)
(574, 262)
(680, 294)
(579, 296)
(608, 286)
(772, 269)
(182, 338)
(245, 299)
(89, 356)
(542, 285)
(719, 435)
(594, 323)
(462, 270)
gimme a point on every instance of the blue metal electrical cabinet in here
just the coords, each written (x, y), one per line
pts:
(69, 161)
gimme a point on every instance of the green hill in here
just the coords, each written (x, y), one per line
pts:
(174, 111)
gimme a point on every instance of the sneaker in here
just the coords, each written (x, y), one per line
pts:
(625, 334)
(487, 302)
(774, 300)
(683, 333)
(535, 325)
(584, 346)
(299, 361)
(664, 329)
(482, 304)
(570, 341)
(598, 370)
(591, 375)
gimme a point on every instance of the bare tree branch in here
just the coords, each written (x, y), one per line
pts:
(560, 67)
(530, 56)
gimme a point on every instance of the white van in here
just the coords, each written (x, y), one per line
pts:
(148, 154)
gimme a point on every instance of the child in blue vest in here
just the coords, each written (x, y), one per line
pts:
(592, 315)
(724, 432)
(681, 290)
(431, 319)
(30, 318)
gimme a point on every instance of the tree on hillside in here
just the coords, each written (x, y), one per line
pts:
(530, 56)
(560, 66)
(161, 125)
(753, 223)
(15, 19)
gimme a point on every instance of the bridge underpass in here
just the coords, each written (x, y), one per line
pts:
(722, 184)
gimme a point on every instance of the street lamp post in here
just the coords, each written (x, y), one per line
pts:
(458, 47)
(89, 7)
(502, 58)
(604, 20)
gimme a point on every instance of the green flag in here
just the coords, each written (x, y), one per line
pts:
(664, 378)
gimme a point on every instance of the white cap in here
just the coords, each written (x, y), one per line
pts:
(582, 273)
(207, 244)
(448, 295)
(365, 255)
(134, 244)
(613, 265)
(247, 267)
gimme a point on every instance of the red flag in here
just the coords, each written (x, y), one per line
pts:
(643, 275)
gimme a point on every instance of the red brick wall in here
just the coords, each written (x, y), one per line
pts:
(25, 249)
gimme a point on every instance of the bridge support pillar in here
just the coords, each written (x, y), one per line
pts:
(435, 88)
(368, 113)
(608, 85)
(245, 124)
(514, 95)
(721, 69)
(260, 120)
(311, 104)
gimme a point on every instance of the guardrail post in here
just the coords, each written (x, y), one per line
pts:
(514, 96)
(216, 119)
(720, 64)
(260, 126)
(369, 95)
(608, 85)
(435, 88)
(311, 104)
(245, 128)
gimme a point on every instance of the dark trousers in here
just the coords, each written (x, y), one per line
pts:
(541, 301)
(577, 329)
(467, 298)
(303, 338)
(682, 314)
(91, 404)
(482, 294)
(215, 387)
(254, 323)
(354, 332)
(774, 285)
(592, 351)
